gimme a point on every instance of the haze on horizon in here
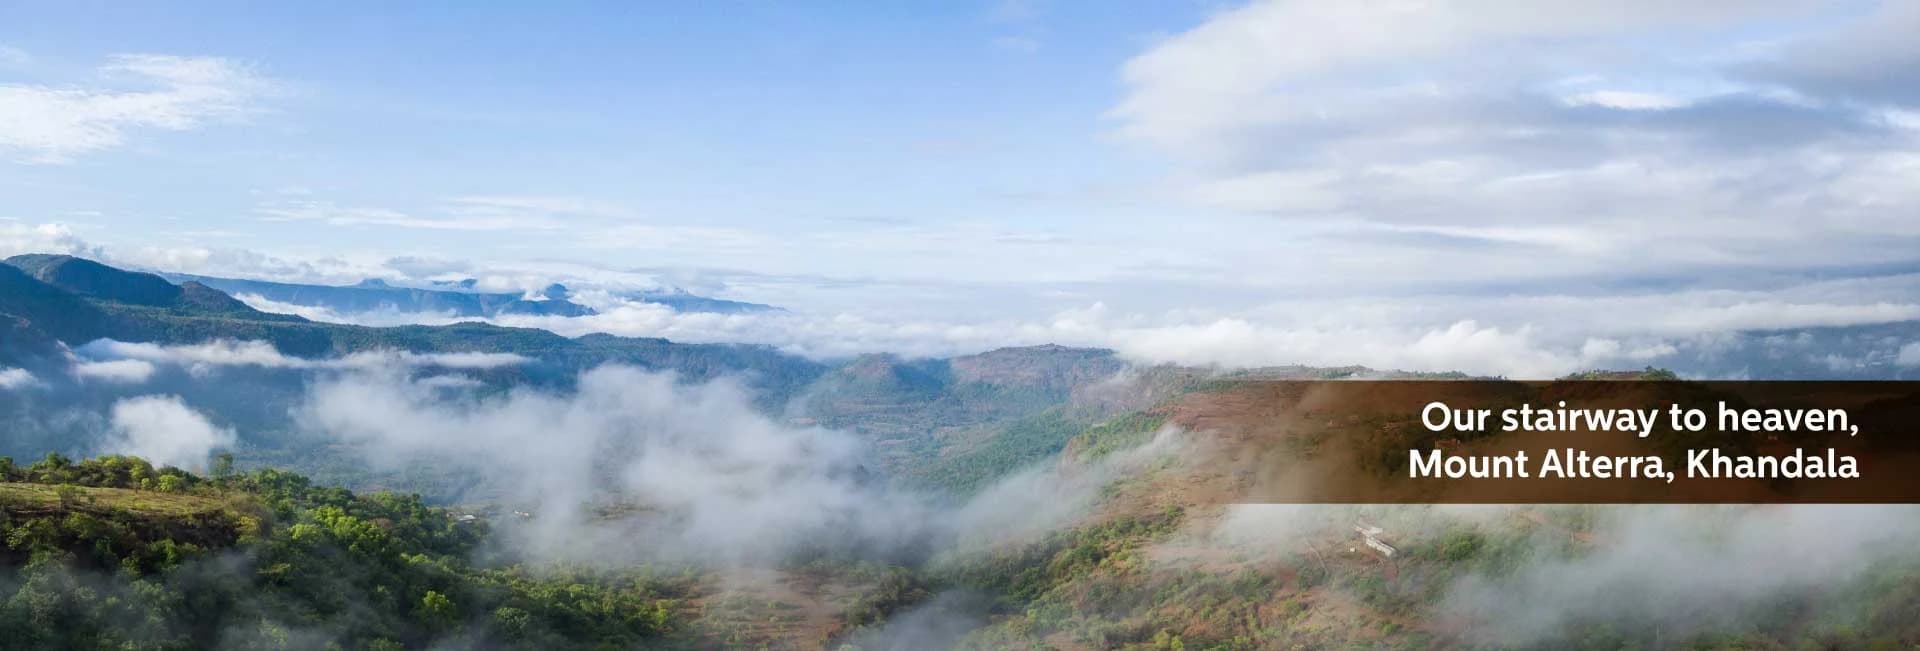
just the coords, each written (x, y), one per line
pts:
(1526, 190)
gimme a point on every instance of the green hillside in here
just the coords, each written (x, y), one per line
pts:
(113, 553)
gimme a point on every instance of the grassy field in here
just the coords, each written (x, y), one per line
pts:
(42, 497)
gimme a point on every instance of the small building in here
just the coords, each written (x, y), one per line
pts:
(1370, 535)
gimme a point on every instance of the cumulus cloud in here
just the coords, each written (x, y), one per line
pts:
(16, 378)
(54, 124)
(163, 430)
(121, 371)
(16, 239)
(1909, 355)
(1543, 140)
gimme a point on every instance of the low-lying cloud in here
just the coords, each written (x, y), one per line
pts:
(631, 464)
(1526, 336)
(261, 354)
(119, 371)
(1679, 569)
(1687, 568)
(164, 431)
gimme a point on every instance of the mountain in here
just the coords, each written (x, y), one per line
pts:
(374, 295)
(33, 315)
(1153, 552)
(682, 301)
(452, 298)
(74, 300)
(888, 397)
(91, 279)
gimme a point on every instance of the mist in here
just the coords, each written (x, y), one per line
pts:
(164, 431)
(1664, 571)
(1683, 569)
(631, 465)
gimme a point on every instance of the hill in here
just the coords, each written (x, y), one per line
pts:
(114, 553)
(39, 314)
(1171, 557)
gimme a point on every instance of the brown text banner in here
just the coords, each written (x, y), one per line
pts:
(1573, 441)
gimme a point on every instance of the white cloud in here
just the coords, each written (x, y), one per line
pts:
(1525, 336)
(54, 124)
(699, 473)
(1870, 57)
(16, 239)
(1626, 99)
(164, 431)
(334, 215)
(1682, 569)
(261, 354)
(17, 378)
(1602, 138)
(121, 371)
(728, 483)
(1909, 355)
(1264, 64)
(463, 213)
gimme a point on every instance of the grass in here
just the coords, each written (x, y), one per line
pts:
(38, 497)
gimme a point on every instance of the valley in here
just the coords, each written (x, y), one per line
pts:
(496, 487)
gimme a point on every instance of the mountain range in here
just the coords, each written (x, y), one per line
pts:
(1154, 545)
(448, 298)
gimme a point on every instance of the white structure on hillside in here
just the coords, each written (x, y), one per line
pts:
(1371, 536)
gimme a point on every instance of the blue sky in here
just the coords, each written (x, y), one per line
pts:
(750, 116)
(1409, 184)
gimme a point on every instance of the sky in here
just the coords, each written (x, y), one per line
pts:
(1523, 188)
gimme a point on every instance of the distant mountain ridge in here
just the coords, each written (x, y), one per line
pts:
(374, 295)
(48, 299)
(452, 298)
(94, 280)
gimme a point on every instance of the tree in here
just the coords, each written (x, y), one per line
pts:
(69, 496)
(513, 621)
(437, 611)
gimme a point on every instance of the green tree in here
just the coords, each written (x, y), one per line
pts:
(437, 611)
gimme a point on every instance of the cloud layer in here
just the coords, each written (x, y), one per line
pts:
(261, 354)
(634, 465)
(1548, 141)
